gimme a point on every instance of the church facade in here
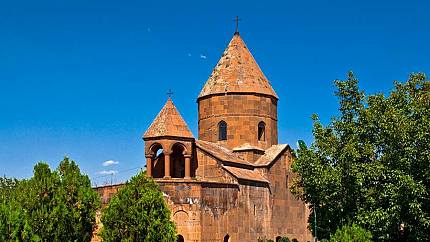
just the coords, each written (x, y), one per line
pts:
(231, 183)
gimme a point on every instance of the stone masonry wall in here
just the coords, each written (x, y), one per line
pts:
(240, 214)
(210, 169)
(216, 204)
(289, 215)
(208, 212)
(242, 113)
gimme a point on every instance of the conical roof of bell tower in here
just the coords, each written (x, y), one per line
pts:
(237, 72)
(168, 123)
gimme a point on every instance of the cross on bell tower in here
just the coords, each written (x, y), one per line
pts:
(169, 93)
(237, 19)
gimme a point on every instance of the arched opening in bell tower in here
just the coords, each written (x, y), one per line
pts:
(157, 152)
(177, 159)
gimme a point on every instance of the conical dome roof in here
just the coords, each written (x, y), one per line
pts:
(168, 123)
(237, 72)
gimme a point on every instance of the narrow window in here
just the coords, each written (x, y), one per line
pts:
(261, 131)
(222, 130)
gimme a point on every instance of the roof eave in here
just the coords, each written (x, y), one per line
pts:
(287, 147)
(245, 179)
(173, 137)
(200, 97)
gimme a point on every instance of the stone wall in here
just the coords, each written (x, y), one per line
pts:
(289, 214)
(240, 214)
(242, 113)
(206, 211)
(210, 169)
(107, 192)
(216, 204)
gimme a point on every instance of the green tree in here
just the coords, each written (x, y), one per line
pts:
(138, 212)
(80, 199)
(351, 233)
(370, 165)
(284, 239)
(264, 240)
(7, 186)
(11, 221)
(51, 206)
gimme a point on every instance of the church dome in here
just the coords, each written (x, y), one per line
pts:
(237, 72)
(237, 104)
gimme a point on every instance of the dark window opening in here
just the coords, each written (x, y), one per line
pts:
(177, 161)
(227, 238)
(180, 238)
(222, 130)
(157, 161)
(261, 131)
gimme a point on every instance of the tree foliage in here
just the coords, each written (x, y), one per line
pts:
(284, 239)
(11, 221)
(51, 206)
(264, 239)
(370, 165)
(138, 212)
(351, 233)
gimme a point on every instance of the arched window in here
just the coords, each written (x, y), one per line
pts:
(227, 238)
(180, 238)
(222, 130)
(278, 239)
(261, 131)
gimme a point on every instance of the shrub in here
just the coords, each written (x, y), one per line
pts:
(138, 212)
(284, 239)
(351, 233)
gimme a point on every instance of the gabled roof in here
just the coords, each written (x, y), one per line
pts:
(227, 155)
(238, 167)
(220, 152)
(247, 146)
(245, 174)
(168, 123)
(271, 154)
(237, 72)
(229, 158)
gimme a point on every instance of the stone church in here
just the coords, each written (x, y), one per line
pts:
(230, 183)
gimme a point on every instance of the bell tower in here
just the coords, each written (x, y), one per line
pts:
(169, 145)
(237, 106)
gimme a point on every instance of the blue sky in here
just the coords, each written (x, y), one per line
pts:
(86, 78)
